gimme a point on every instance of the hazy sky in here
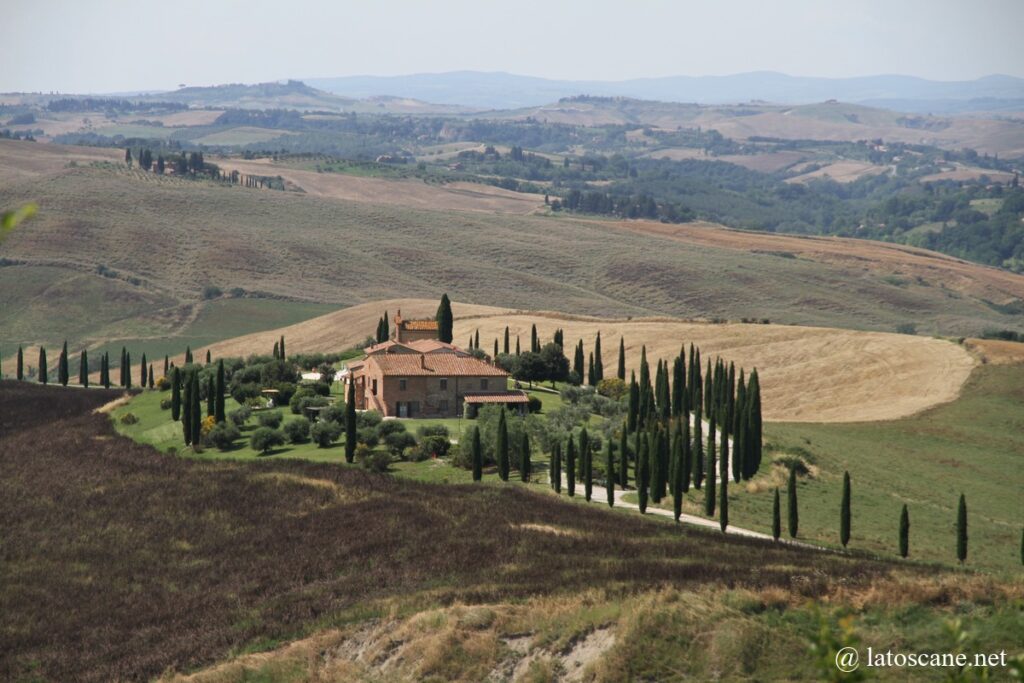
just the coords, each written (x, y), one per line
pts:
(120, 45)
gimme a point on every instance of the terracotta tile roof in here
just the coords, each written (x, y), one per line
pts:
(433, 346)
(435, 364)
(419, 324)
(497, 397)
(391, 346)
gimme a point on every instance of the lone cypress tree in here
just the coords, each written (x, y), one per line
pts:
(209, 358)
(105, 370)
(598, 362)
(478, 455)
(62, 366)
(83, 368)
(196, 422)
(643, 471)
(517, 345)
(633, 412)
(219, 413)
(43, 373)
(794, 516)
(175, 394)
(534, 339)
(555, 471)
(151, 384)
(186, 409)
(624, 458)
(844, 513)
(609, 471)
(505, 348)
(501, 447)
(123, 378)
(445, 320)
(723, 504)
(167, 365)
(20, 372)
(586, 464)
(776, 516)
(904, 532)
(525, 466)
(570, 467)
(188, 355)
(961, 530)
(495, 348)
(621, 373)
(127, 371)
(350, 422)
(142, 371)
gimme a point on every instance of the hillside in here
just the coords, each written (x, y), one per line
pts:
(283, 550)
(146, 246)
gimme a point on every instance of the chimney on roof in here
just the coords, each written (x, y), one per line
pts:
(423, 360)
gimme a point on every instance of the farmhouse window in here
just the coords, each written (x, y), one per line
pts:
(401, 384)
(483, 384)
(373, 387)
(444, 385)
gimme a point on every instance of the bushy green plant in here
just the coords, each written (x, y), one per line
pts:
(270, 419)
(325, 432)
(129, 419)
(240, 416)
(375, 461)
(367, 435)
(369, 418)
(266, 439)
(398, 441)
(297, 430)
(534, 405)
(432, 430)
(223, 435)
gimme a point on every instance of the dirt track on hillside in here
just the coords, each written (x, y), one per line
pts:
(808, 374)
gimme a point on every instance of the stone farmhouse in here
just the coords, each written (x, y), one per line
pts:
(414, 374)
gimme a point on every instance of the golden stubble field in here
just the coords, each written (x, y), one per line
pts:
(808, 374)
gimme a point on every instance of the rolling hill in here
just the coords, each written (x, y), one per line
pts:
(118, 254)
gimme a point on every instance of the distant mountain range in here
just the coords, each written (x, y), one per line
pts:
(499, 90)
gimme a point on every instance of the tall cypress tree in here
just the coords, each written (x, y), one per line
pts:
(211, 397)
(623, 457)
(196, 422)
(525, 465)
(219, 413)
(209, 358)
(644, 407)
(598, 363)
(679, 474)
(534, 339)
(478, 455)
(445, 320)
(634, 403)
(495, 348)
(105, 370)
(126, 371)
(698, 448)
(167, 364)
(723, 457)
(591, 372)
(961, 530)
(711, 484)
(738, 427)
(586, 464)
(904, 531)
(621, 371)
(643, 471)
(284, 355)
(476, 339)
(142, 371)
(755, 424)
(501, 447)
(844, 512)
(20, 372)
(186, 409)
(123, 378)
(505, 348)
(175, 394)
(83, 368)
(794, 516)
(555, 471)
(43, 372)
(63, 376)
(678, 386)
(687, 456)
(570, 467)
(188, 355)
(277, 346)
(609, 471)
(151, 383)
(350, 422)
(776, 516)
(723, 504)
(517, 345)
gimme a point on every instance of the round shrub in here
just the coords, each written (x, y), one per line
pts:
(369, 418)
(297, 430)
(534, 404)
(265, 439)
(129, 419)
(163, 384)
(270, 419)
(240, 416)
(367, 435)
(375, 461)
(432, 430)
(399, 441)
(223, 435)
(325, 432)
(165, 404)
(430, 447)
(387, 427)
(299, 405)
(335, 413)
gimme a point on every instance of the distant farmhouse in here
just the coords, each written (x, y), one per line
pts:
(414, 374)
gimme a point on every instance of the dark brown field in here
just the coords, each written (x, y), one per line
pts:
(119, 562)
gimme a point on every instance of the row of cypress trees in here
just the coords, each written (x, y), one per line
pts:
(146, 375)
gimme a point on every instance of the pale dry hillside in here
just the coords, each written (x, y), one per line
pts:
(809, 374)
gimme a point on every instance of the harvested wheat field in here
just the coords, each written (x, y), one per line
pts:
(925, 267)
(20, 159)
(808, 374)
(410, 193)
(841, 172)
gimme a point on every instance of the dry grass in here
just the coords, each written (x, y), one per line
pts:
(411, 193)
(996, 351)
(807, 374)
(841, 172)
(21, 160)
